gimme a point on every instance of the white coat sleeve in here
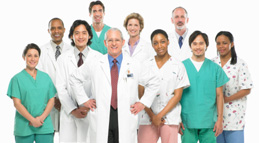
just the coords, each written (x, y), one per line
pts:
(150, 80)
(76, 82)
(62, 86)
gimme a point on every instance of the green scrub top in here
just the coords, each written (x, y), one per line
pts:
(98, 42)
(34, 96)
(199, 108)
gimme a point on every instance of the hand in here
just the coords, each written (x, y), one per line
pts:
(80, 112)
(36, 122)
(180, 129)
(136, 108)
(91, 104)
(226, 99)
(57, 104)
(84, 110)
(157, 120)
(218, 128)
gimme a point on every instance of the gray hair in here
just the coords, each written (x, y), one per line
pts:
(113, 29)
(181, 8)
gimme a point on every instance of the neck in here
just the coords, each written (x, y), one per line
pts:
(198, 58)
(31, 71)
(98, 26)
(133, 40)
(180, 31)
(57, 42)
(225, 57)
(163, 58)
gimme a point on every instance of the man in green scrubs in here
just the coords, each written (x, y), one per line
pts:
(96, 11)
(202, 102)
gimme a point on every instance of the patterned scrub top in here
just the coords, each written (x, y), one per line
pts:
(239, 78)
(172, 76)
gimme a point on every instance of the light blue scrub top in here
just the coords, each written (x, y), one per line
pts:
(199, 109)
(98, 42)
(34, 96)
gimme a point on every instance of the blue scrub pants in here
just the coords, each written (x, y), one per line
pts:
(38, 138)
(231, 137)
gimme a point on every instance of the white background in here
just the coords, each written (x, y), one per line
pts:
(26, 21)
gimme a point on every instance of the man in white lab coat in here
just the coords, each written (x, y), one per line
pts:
(73, 121)
(115, 78)
(48, 60)
(179, 47)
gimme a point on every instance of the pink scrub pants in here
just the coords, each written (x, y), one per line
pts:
(151, 133)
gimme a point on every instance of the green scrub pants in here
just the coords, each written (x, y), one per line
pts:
(38, 138)
(203, 135)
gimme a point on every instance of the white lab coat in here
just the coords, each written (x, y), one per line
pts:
(72, 129)
(127, 93)
(48, 64)
(143, 51)
(174, 49)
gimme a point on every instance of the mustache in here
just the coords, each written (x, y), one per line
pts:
(179, 22)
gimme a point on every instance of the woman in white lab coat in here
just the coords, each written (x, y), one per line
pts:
(235, 90)
(73, 120)
(136, 47)
(163, 118)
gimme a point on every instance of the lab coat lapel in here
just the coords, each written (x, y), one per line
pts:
(52, 56)
(106, 67)
(139, 48)
(72, 58)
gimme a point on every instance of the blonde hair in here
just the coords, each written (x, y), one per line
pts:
(134, 16)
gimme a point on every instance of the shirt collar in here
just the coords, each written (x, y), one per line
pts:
(184, 35)
(84, 52)
(54, 45)
(119, 59)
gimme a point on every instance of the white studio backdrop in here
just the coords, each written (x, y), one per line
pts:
(26, 21)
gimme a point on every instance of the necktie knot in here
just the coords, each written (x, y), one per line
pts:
(180, 41)
(57, 52)
(114, 61)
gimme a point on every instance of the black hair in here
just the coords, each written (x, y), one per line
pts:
(158, 31)
(231, 39)
(93, 3)
(56, 18)
(88, 28)
(197, 33)
(30, 46)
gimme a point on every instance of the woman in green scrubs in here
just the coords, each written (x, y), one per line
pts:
(32, 92)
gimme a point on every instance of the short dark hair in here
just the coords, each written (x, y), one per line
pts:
(93, 3)
(197, 33)
(56, 18)
(31, 46)
(231, 39)
(158, 31)
(87, 26)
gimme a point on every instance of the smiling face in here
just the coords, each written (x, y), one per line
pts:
(133, 27)
(160, 44)
(80, 37)
(56, 31)
(114, 43)
(31, 58)
(179, 19)
(224, 45)
(97, 14)
(198, 47)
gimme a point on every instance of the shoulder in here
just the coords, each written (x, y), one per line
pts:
(106, 27)
(67, 46)
(215, 59)
(94, 53)
(17, 76)
(45, 46)
(186, 61)
(43, 75)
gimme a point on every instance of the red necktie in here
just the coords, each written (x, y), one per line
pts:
(114, 82)
(80, 61)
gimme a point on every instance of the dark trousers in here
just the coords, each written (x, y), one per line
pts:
(113, 135)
